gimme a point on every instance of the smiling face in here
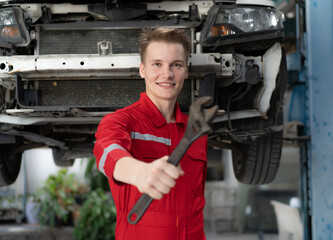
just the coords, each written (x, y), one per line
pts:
(164, 70)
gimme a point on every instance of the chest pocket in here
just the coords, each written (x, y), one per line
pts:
(197, 166)
(148, 151)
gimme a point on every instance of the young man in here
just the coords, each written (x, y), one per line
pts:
(133, 145)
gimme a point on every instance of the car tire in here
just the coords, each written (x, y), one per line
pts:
(258, 161)
(10, 165)
(59, 160)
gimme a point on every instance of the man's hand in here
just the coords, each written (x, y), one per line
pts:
(155, 178)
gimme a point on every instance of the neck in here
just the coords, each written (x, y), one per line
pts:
(167, 111)
(166, 107)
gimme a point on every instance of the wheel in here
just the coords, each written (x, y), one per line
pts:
(10, 164)
(258, 161)
(60, 159)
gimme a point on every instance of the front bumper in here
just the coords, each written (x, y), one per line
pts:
(121, 66)
(62, 67)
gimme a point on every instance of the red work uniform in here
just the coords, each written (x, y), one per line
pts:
(141, 131)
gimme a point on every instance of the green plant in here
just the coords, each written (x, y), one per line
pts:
(57, 197)
(97, 217)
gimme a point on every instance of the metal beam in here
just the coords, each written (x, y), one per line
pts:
(319, 22)
(71, 66)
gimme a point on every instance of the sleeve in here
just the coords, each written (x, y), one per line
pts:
(113, 142)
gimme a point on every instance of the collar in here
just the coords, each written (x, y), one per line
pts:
(155, 115)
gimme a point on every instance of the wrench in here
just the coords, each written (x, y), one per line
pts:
(198, 124)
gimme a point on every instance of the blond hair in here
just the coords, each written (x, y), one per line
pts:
(163, 34)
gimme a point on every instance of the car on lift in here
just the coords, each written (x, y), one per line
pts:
(64, 66)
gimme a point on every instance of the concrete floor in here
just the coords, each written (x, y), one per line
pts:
(238, 236)
(33, 232)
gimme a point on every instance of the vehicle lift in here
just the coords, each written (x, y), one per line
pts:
(313, 92)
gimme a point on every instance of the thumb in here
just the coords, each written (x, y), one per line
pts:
(182, 173)
(165, 158)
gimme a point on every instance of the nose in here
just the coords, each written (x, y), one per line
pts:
(167, 72)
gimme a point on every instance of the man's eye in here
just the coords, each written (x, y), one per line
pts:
(156, 64)
(178, 65)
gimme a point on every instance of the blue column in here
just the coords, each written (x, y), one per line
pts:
(319, 20)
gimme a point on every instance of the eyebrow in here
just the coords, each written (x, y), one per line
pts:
(160, 60)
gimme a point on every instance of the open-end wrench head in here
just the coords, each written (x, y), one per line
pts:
(211, 113)
(201, 102)
(199, 118)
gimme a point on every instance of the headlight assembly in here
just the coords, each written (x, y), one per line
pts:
(12, 27)
(225, 22)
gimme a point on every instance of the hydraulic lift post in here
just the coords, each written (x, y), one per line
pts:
(319, 124)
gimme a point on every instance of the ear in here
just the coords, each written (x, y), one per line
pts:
(142, 70)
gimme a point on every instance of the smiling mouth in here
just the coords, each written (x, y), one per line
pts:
(166, 84)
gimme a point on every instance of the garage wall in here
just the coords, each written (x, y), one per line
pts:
(38, 165)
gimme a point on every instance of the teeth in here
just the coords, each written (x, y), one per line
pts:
(166, 84)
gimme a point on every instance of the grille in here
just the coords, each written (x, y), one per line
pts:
(110, 94)
(85, 42)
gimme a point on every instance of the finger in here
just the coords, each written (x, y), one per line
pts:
(167, 180)
(152, 192)
(181, 170)
(161, 165)
(161, 187)
(155, 194)
(172, 171)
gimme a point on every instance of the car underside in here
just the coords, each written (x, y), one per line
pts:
(70, 64)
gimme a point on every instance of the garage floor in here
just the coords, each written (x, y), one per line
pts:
(33, 232)
(237, 236)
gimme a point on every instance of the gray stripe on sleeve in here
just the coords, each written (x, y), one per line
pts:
(105, 154)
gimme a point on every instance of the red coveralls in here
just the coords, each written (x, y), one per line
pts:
(141, 131)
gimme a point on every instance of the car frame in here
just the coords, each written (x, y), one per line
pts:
(72, 63)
